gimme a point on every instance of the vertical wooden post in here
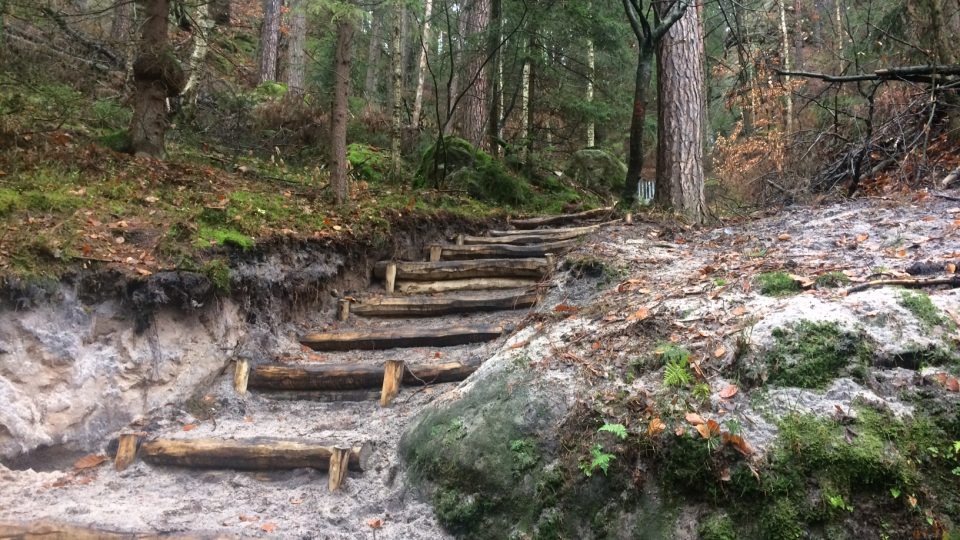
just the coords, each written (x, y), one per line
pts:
(126, 450)
(392, 378)
(391, 276)
(459, 239)
(629, 219)
(240, 376)
(343, 313)
(339, 460)
(435, 252)
(551, 261)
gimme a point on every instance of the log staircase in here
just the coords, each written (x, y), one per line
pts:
(502, 271)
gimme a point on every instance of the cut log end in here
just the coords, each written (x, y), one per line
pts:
(241, 376)
(392, 379)
(126, 451)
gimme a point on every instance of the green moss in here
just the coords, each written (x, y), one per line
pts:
(223, 237)
(781, 521)
(525, 455)
(777, 284)
(369, 163)
(923, 309)
(597, 170)
(457, 164)
(810, 354)
(831, 280)
(455, 510)
(10, 201)
(219, 274)
(717, 526)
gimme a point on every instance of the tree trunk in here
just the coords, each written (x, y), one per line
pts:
(203, 24)
(591, 71)
(121, 28)
(157, 75)
(680, 85)
(641, 93)
(339, 111)
(798, 35)
(396, 94)
(493, 48)
(373, 61)
(785, 62)
(296, 57)
(474, 106)
(422, 65)
(269, 40)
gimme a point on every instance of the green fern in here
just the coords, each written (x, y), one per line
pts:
(617, 429)
(676, 373)
(600, 460)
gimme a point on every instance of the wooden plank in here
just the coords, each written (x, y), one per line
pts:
(250, 454)
(433, 271)
(126, 451)
(389, 338)
(338, 470)
(454, 285)
(392, 379)
(533, 223)
(546, 232)
(50, 530)
(323, 396)
(240, 376)
(345, 377)
(520, 239)
(503, 251)
(430, 306)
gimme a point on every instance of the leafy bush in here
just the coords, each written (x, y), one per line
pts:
(472, 170)
(369, 163)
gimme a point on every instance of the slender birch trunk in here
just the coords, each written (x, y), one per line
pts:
(396, 97)
(591, 71)
(785, 52)
(201, 33)
(422, 64)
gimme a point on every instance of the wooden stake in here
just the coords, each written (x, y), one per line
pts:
(343, 313)
(391, 276)
(392, 378)
(240, 376)
(435, 252)
(126, 451)
(629, 219)
(338, 469)
(551, 261)
(459, 239)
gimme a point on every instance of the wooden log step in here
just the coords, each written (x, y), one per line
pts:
(344, 377)
(546, 232)
(244, 454)
(505, 251)
(533, 223)
(429, 306)
(53, 530)
(523, 238)
(486, 268)
(454, 285)
(390, 338)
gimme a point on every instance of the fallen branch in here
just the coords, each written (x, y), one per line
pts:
(911, 283)
(904, 73)
(950, 178)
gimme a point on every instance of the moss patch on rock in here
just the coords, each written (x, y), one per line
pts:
(777, 284)
(923, 309)
(811, 354)
(597, 170)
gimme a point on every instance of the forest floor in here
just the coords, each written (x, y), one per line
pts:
(695, 288)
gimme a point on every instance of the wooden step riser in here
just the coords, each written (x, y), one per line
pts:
(348, 378)
(533, 223)
(486, 268)
(459, 285)
(378, 339)
(499, 251)
(545, 232)
(519, 240)
(250, 455)
(457, 307)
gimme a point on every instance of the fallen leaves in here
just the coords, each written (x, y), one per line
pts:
(720, 352)
(89, 461)
(565, 308)
(729, 391)
(639, 315)
(189, 427)
(656, 427)
(268, 527)
(709, 429)
(694, 418)
(375, 523)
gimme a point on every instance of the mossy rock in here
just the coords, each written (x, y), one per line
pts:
(597, 170)
(456, 164)
(481, 459)
(811, 354)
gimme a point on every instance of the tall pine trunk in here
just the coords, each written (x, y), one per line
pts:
(269, 40)
(474, 106)
(339, 111)
(157, 75)
(121, 28)
(422, 64)
(496, 72)
(296, 56)
(373, 60)
(396, 94)
(680, 92)
(641, 97)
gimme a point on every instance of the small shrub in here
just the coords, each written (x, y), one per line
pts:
(219, 274)
(717, 526)
(922, 308)
(10, 201)
(619, 430)
(598, 460)
(832, 280)
(777, 284)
